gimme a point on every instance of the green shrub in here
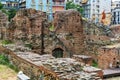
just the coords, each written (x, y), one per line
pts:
(5, 42)
(4, 11)
(51, 28)
(1, 6)
(13, 67)
(5, 61)
(94, 63)
(29, 46)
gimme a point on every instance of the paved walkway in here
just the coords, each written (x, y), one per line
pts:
(111, 72)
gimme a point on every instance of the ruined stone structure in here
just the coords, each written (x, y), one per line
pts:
(46, 67)
(3, 25)
(64, 44)
(69, 29)
(109, 56)
(67, 36)
(27, 26)
(82, 58)
(96, 35)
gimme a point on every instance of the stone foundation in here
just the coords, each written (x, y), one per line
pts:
(83, 58)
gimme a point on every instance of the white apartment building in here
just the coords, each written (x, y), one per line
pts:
(116, 13)
(87, 9)
(94, 8)
(115, 4)
(98, 6)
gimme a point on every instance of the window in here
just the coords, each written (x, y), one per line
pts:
(33, 1)
(40, 1)
(47, 1)
(76, 0)
(117, 5)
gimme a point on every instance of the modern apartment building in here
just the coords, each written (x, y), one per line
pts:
(116, 13)
(10, 4)
(48, 6)
(87, 9)
(97, 8)
(93, 9)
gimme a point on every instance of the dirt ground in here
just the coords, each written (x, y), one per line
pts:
(7, 73)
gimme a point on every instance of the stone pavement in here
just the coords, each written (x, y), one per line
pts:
(111, 72)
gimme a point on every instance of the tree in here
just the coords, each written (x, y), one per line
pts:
(4, 11)
(1, 5)
(71, 5)
(11, 13)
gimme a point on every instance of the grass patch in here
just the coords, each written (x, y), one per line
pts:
(95, 63)
(6, 73)
(5, 61)
(5, 42)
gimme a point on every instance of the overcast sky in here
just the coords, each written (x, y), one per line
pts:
(115, 0)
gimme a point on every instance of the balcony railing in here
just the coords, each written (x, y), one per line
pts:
(58, 4)
(10, 7)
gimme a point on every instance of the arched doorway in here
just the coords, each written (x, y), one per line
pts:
(57, 53)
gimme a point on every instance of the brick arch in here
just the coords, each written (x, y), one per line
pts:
(59, 47)
(58, 53)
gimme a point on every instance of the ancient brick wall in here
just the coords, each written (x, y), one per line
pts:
(67, 34)
(69, 29)
(82, 58)
(3, 25)
(27, 25)
(108, 57)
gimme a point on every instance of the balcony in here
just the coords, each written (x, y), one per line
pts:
(58, 3)
(33, 4)
(11, 7)
(58, 0)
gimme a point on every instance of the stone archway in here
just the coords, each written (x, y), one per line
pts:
(57, 53)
